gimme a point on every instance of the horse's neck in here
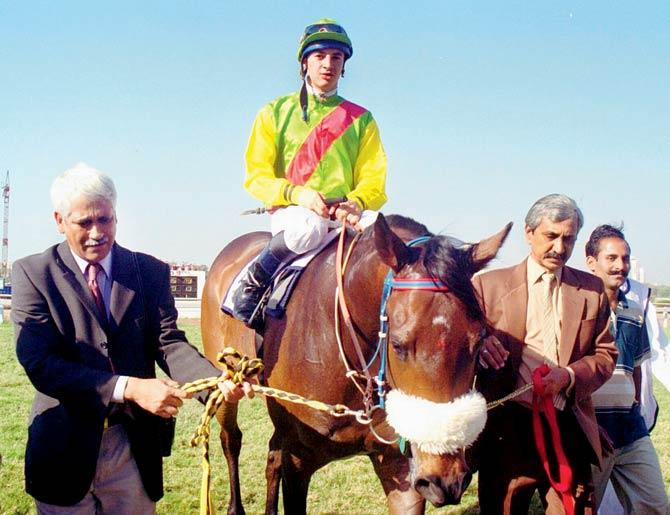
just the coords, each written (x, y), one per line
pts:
(363, 289)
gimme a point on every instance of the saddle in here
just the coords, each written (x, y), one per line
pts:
(274, 301)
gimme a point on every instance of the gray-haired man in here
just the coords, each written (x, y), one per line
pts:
(92, 319)
(543, 312)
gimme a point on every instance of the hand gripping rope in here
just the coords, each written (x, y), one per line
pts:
(240, 368)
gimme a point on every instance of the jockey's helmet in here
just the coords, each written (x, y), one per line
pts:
(324, 33)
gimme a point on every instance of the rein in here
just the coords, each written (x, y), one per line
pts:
(564, 481)
(340, 266)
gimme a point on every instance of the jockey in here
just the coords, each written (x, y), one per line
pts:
(305, 148)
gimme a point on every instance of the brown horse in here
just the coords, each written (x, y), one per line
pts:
(433, 338)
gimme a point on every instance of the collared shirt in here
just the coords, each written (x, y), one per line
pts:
(532, 355)
(104, 279)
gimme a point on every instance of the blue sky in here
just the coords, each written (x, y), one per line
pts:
(483, 108)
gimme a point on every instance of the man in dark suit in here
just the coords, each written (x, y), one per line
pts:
(92, 319)
(542, 311)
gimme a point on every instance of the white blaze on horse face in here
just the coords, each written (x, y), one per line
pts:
(441, 320)
(437, 427)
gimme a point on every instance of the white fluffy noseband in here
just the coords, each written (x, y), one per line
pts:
(437, 427)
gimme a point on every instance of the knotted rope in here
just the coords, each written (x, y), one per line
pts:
(237, 371)
(239, 368)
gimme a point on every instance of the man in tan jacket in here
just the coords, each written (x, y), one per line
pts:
(542, 311)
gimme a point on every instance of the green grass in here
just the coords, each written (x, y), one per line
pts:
(347, 486)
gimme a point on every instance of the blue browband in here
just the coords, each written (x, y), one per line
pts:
(419, 240)
(417, 284)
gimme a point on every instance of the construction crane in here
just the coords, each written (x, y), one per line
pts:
(5, 232)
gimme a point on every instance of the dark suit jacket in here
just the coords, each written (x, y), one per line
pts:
(586, 343)
(66, 348)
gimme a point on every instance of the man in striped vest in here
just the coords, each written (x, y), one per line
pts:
(633, 467)
(305, 148)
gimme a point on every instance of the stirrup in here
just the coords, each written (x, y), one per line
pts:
(256, 320)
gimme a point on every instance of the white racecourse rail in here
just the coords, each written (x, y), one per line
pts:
(188, 308)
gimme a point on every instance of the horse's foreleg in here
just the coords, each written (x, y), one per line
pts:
(231, 442)
(296, 475)
(393, 471)
(273, 475)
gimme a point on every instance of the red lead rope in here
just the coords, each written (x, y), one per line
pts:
(563, 485)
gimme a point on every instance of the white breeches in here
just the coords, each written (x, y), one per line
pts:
(304, 229)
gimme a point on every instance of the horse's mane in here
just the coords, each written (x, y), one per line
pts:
(450, 261)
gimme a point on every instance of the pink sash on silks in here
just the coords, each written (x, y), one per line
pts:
(330, 128)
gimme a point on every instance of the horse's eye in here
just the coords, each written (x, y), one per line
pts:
(399, 348)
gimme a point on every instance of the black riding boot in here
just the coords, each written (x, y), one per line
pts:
(257, 279)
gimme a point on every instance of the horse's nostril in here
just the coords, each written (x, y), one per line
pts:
(440, 492)
(431, 489)
(421, 483)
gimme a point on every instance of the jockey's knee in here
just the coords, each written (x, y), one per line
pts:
(303, 239)
(303, 229)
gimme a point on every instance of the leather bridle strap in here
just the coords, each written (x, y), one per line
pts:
(340, 263)
(390, 283)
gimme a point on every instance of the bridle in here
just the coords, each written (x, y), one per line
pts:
(455, 424)
(390, 283)
(400, 284)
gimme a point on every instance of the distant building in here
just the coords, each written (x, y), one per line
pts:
(636, 270)
(633, 273)
(187, 280)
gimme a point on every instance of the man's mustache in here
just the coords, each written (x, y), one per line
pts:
(554, 255)
(92, 242)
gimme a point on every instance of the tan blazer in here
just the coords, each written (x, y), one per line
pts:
(586, 343)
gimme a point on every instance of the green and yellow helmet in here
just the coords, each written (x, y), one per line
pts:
(324, 33)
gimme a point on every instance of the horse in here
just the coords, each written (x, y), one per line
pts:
(433, 339)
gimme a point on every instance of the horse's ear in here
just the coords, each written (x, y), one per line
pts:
(486, 250)
(393, 251)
